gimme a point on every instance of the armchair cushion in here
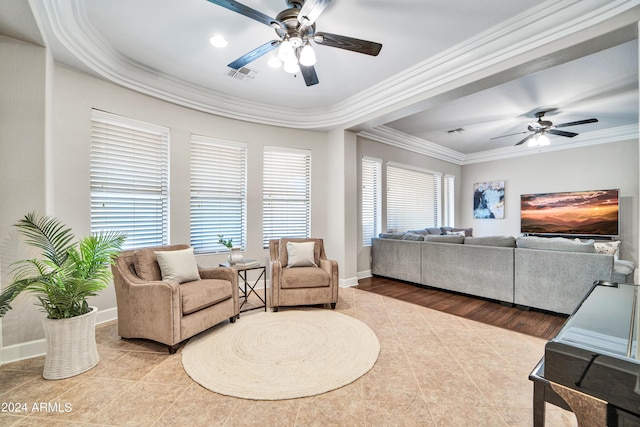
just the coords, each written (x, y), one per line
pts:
(199, 294)
(301, 254)
(145, 261)
(179, 266)
(304, 277)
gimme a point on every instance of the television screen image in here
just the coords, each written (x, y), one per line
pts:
(585, 213)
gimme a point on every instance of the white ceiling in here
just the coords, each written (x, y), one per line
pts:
(161, 47)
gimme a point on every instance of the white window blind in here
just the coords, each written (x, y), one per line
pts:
(411, 199)
(129, 179)
(218, 193)
(449, 201)
(371, 209)
(286, 193)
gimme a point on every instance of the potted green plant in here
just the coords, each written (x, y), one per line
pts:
(234, 251)
(66, 274)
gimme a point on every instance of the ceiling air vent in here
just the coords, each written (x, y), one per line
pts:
(454, 131)
(242, 73)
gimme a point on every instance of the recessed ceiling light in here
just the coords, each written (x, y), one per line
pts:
(218, 41)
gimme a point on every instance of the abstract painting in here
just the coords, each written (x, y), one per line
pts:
(488, 200)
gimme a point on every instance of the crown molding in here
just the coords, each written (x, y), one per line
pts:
(585, 139)
(412, 143)
(514, 41)
(417, 145)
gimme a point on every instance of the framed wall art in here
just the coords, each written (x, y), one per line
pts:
(488, 200)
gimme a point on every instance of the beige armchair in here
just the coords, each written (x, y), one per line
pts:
(166, 311)
(302, 285)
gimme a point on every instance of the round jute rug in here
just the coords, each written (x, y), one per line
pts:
(282, 355)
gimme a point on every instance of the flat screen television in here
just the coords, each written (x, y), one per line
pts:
(584, 213)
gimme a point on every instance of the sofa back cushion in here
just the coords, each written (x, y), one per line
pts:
(413, 236)
(396, 236)
(556, 244)
(502, 241)
(445, 238)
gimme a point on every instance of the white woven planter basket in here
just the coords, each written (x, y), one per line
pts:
(71, 345)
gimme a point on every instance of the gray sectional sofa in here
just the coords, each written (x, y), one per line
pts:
(551, 274)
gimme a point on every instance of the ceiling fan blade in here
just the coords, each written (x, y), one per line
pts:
(511, 134)
(311, 10)
(579, 122)
(248, 12)
(562, 133)
(309, 74)
(348, 43)
(525, 140)
(254, 54)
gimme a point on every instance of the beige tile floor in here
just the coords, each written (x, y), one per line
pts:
(434, 369)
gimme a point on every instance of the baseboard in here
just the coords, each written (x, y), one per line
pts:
(25, 350)
(107, 315)
(347, 283)
(35, 348)
(364, 274)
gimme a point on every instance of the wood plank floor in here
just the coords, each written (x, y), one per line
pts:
(535, 323)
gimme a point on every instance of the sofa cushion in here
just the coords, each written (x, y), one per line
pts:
(178, 266)
(556, 244)
(502, 241)
(419, 232)
(204, 293)
(445, 238)
(412, 236)
(304, 277)
(468, 232)
(608, 247)
(435, 230)
(397, 236)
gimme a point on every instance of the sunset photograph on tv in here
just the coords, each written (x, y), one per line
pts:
(587, 213)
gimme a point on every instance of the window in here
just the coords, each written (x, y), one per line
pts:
(129, 179)
(285, 193)
(371, 209)
(449, 201)
(218, 193)
(412, 198)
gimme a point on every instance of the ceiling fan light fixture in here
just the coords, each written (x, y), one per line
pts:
(291, 67)
(286, 52)
(274, 62)
(307, 56)
(539, 140)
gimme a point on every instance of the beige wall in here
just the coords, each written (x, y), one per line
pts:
(24, 71)
(65, 191)
(605, 166)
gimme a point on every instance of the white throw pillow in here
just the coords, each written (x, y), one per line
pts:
(179, 266)
(608, 247)
(300, 254)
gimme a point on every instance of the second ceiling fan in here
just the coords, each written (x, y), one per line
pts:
(538, 130)
(296, 29)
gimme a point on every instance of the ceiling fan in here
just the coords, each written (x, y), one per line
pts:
(295, 28)
(539, 129)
